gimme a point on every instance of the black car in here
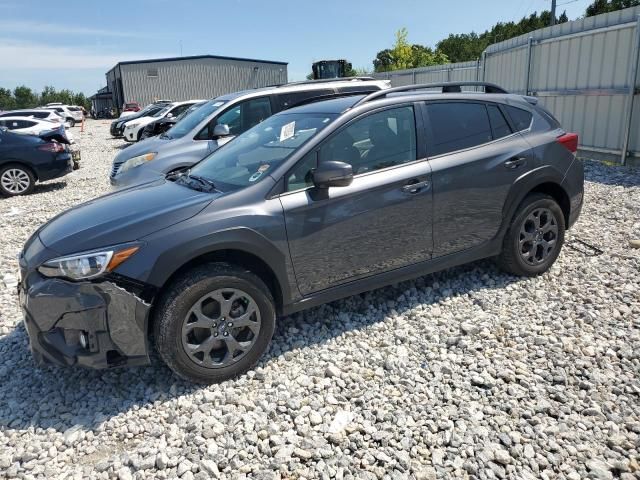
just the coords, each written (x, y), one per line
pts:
(312, 204)
(117, 126)
(25, 159)
(163, 124)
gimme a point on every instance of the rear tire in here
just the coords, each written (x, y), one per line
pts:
(72, 122)
(534, 238)
(214, 323)
(16, 180)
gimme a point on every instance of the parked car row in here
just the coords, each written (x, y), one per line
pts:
(321, 195)
(216, 121)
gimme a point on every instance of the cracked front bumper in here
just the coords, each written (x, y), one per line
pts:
(92, 324)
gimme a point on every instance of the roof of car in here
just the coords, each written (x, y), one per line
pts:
(301, 86)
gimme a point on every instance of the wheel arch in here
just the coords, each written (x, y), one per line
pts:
(545, 180)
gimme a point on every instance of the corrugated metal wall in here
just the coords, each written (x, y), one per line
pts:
(581, 71)
(201, 78)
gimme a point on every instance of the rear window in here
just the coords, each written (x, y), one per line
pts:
(456, 126)
(499, 124)
(520, 118)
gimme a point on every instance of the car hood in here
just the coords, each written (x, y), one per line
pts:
(147, 145)
(122, 216)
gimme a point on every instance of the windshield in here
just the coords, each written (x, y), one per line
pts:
(191, 121)
(260, 150)
(162, 112)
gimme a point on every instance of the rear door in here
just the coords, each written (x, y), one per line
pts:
(380, 222)
(475, 156)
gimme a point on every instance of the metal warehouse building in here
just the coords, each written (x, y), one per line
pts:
(185, 78)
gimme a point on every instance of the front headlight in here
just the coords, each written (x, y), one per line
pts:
(134, 162)
(131, 125)
(86, 265)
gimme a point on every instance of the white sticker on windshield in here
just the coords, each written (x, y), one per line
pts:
(287, 131)
(218, 104)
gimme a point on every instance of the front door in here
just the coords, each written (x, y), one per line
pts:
(380, 222)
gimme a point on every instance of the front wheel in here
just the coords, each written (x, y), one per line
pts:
(214, 323)
(534, 238)
(71, 122)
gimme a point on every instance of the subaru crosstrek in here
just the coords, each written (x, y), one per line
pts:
(314, 203)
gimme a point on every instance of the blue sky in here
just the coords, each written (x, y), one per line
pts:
(72, 43)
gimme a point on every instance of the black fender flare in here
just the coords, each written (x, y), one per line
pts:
(521, 188)
(241, 239)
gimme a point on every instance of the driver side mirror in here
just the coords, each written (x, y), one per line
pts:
(333, 174)
(169, 115)
(220, 130)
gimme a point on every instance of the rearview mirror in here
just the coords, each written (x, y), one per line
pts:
(220, 130)
(333, 174)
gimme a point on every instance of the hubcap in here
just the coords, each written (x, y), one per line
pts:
(15, 180)
(538, 236)
(221, 328)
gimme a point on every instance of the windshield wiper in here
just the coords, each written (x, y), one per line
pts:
(204, 182)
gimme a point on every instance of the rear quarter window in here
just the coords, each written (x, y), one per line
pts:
(457, 126)
(520, 118)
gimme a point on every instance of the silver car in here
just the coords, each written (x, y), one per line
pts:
(196, 135)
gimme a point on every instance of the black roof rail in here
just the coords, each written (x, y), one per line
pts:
(447, 87)
(327, 80)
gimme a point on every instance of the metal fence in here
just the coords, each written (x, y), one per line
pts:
(586, 72)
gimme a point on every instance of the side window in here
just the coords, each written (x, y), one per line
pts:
(499, 124)
(41, 114)
(456, 126)
(26, 123)
(291, 99)
(520, 118)
(240, 117)
(380, 140)
(300, 176)
(179, 109)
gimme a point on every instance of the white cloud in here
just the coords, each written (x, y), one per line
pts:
(22, 55)
(30, 28)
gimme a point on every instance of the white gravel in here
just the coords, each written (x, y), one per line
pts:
(468, 373)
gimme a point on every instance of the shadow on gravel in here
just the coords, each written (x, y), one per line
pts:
(58, 398)
(48, 187)
(599, 172)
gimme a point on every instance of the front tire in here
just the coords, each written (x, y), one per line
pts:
(72, 122)
(534, 238)
(214, 323)
(16, 180)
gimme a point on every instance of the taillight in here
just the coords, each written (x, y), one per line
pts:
(569, 141)
(52, 147)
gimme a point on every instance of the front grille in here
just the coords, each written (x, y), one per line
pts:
(115, 168)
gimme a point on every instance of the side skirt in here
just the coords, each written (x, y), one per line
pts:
(384, 279)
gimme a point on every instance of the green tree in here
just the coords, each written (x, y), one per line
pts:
(24, 97)
(469, 46)
(606, 6)
(404, 55)
(7, 102)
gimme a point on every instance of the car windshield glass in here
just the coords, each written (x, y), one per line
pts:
(189, 110)
(191, 121)
(251, 156)
(162, 112)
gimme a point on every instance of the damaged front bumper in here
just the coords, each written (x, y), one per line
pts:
(92, 324)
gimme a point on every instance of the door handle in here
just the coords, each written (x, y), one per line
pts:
(416, 187)
(515, 162)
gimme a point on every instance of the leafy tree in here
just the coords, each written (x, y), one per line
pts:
(606, 6)
(7, 102)
(24, 97)
(404, 55)
(469, 46)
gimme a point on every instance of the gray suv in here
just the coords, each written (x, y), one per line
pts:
(196, 136)
(315, 203)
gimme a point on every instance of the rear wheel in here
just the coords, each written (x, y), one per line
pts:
(535, 237)
(214, 323)
(71, 122)
(16, 180)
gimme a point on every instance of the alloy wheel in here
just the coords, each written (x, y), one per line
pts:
(15, 181)
(538, 236)
(221, 328)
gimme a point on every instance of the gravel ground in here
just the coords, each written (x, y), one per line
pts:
(468, 373)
